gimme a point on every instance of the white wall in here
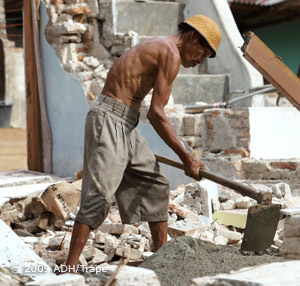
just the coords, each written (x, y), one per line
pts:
(274, 132)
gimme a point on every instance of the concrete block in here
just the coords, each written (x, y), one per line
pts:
(293, 202)
(170, 14)
(118, 228)
(99, 258)
(89, 252)
(282, 190)
(293, 220)
(245, 203)
(177, 123)
(232, 236)
(207, 236)
(147, 254)
(111, 244)
(227, 194)
(221, 240)
(60, 256)
(291, 231)
(91, 61)
(212, 192)
(189, 89)
(291, 245)
(128, 252)
(144, 230)
(68, 27)
(10, 257)
(215, 205)
(186, 227)
(228, 205)
(100, 237)
(194, 196)
(194, 124)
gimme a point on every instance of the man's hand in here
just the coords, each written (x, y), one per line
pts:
(192, 168)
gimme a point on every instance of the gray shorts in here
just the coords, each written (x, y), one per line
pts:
(118, 161)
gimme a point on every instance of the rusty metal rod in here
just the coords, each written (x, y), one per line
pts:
(259, 196)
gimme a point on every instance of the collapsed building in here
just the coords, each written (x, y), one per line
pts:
(79, 41)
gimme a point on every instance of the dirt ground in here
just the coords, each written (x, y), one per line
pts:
(185, 258)
(13, 149)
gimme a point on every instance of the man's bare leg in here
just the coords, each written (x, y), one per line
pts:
(159, 232)
(79, 238)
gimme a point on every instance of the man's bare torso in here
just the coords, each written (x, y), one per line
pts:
(134, 74)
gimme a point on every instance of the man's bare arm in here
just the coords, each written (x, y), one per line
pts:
(169, 64)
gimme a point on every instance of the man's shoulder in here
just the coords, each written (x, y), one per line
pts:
(162, 47)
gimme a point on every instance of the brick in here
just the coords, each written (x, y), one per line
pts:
(243, 152)
(75, 10)
(284, 165)
(215, 113)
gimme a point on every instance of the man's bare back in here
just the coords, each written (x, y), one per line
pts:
(134, 74)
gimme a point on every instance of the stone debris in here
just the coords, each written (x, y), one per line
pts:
(290, 234)
(192, 210)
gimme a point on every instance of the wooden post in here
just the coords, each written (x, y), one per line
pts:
(272, 68)
(34, 130)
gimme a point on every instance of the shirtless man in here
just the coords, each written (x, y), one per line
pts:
(117, 159)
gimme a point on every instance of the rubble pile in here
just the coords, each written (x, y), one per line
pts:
(203, 211)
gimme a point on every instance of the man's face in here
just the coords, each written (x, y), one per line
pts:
(194, 51)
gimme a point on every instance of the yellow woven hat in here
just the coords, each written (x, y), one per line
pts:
(208, 29)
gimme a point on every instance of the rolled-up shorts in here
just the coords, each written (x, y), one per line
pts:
(118, 161)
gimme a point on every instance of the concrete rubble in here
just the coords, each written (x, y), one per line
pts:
(192, 212)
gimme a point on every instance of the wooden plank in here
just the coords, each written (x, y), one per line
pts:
(46, 132)
(272, 68)
(34, 132)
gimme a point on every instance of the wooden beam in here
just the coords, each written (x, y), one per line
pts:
(272, 68)
(34, 131)
(46, 132)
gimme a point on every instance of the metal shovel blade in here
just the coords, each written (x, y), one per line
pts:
(261, 225)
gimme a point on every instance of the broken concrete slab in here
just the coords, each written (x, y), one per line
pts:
(23, 191)
(66, 279)
(9, 181)
(117, 228)
(27, 264)
(275, 274)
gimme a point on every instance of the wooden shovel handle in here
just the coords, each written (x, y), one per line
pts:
(259, 196)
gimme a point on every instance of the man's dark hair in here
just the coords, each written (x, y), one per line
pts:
(184, 28)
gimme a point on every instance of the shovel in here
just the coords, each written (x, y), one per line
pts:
(262, 219)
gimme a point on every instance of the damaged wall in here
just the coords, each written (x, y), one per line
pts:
(66, 108)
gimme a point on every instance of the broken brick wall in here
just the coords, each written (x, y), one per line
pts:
(81, 33)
